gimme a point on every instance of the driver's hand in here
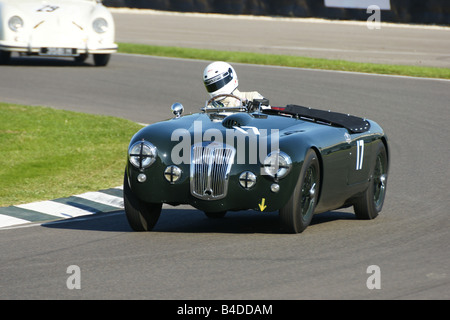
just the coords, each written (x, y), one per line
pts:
(237, 103)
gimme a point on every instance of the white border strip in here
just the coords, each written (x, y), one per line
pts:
(102, 198)
(55, 209)
(7, 221)
(61, 210)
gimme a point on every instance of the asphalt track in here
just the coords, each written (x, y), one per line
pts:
(243, 256)
(350, 40)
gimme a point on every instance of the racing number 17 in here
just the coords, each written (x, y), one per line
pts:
(359, 154)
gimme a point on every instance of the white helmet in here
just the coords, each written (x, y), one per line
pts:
(219, 78)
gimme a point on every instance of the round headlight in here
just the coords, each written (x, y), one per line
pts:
(247, 179)
(172, 174)
(100, 25)
(277, 164)
(15, 23)
(142, 154)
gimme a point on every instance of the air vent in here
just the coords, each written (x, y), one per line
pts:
(237, 120)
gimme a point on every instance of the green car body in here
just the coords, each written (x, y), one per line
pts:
(345, 160)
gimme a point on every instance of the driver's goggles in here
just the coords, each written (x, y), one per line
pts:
(218, 81)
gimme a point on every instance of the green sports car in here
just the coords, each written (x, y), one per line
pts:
(294, 160)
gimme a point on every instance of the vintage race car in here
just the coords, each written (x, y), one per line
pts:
(57, 28)
(294, 160)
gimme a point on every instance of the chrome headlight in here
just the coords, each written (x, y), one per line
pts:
(172, 174)
(15, 23)
(142, 154)
(277, 164)
(247, 179)
(100, 25)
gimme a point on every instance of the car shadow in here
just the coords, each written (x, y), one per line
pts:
(46, 62)
(193, 221)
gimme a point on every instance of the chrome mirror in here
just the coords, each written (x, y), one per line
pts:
(177, 109)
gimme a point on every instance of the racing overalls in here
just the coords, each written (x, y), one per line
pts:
(245, 96)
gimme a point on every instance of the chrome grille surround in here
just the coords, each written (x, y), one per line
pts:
(210, 169)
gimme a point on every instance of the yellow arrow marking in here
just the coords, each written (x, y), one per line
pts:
(262, 205)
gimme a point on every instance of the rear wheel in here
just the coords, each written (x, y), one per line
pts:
(297, 214)
(371, 201)
(141, 216)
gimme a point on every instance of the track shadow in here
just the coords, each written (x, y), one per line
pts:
(332, 216)
(114, 221)
(193, 221)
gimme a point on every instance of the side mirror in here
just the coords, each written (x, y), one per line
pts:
(177, 109)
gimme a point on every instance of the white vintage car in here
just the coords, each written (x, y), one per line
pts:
(57, 28)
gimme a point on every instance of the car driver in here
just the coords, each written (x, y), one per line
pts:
(220, 78)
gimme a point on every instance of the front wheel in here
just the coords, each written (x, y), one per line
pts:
(297, 214)
(81, 58)
(369, 204)
(4, 57)
(101, 60)
(141, 216)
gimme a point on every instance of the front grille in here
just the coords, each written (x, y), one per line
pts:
(210, 169)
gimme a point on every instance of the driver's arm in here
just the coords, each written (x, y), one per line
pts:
(250, 95)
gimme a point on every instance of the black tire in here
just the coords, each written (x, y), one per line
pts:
(4, 57)
(141, 216)
(101, 60)
(216, 215)
(371, 201)
(297, 214)
(81, 58)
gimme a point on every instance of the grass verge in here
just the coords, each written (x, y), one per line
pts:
(48, 154)
(284, 60)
